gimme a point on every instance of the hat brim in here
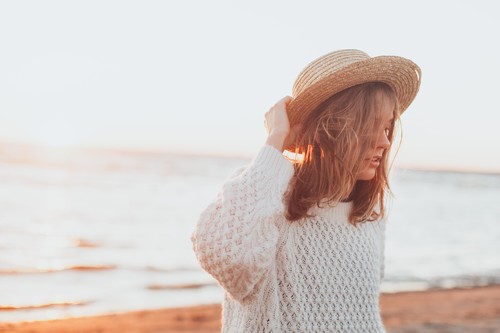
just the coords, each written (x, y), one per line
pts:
(401, 74)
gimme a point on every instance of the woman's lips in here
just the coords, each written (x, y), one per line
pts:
(375, 162)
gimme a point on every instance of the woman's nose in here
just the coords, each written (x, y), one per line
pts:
(383, 141)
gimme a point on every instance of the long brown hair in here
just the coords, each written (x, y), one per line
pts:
(335, 141)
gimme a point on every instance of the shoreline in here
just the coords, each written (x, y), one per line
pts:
(460, 310)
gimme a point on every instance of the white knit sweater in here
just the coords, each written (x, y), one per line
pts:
(319, 274)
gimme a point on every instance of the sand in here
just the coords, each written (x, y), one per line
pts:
(474, 310)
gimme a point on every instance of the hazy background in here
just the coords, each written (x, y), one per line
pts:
(91, 231)
(197, 76)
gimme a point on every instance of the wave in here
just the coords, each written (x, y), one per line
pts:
(98, 268)
(54, 270)
(41, 306)
(170, 270)
(179, 286)
(85, 243)
(409, 283)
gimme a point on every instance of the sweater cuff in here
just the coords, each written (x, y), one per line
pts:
(270, 158)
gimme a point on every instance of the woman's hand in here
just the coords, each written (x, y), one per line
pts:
(278, 126)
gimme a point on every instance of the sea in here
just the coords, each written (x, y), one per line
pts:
(87, 232)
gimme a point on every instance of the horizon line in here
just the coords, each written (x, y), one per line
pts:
(211, 154)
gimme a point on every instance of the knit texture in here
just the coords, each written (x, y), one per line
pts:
(319, 274)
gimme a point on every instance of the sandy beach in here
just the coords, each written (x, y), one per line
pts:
(474, 310)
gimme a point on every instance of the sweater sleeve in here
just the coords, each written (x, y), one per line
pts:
(235, 237)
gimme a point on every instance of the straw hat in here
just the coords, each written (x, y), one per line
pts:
(339, 70)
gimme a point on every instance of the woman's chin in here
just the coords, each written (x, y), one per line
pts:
(368, 174)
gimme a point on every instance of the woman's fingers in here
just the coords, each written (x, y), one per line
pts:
(277, 124)
(276, 119)
(292, 136)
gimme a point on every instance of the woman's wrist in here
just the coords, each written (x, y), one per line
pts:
(276, 140)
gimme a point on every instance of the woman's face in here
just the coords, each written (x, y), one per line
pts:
(381, 140)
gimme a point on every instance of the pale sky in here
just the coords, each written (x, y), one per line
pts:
(198, 76)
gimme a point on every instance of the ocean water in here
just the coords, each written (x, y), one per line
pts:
(87, 232)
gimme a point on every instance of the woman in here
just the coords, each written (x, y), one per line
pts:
(298, 244)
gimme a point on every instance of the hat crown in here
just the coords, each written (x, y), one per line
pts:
(325, 66)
